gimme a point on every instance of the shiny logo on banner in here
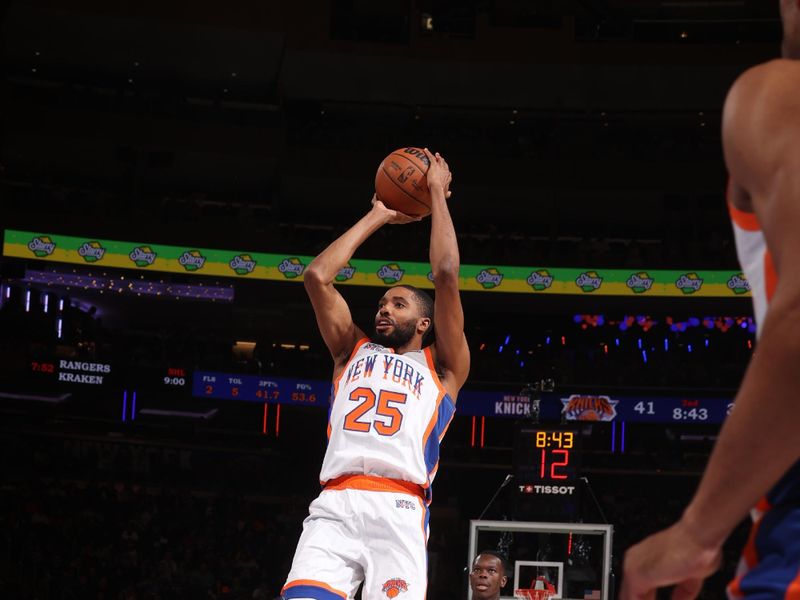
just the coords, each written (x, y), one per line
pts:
(738, 284)
(489, 278)
(242, 264)
(192, 260)
(689, 283)
(142, 256)
(41, 246)
(589, 281)
(391, 273)
(91, 251)
(346, 273)
(639, 283)
(540, 280)
(580, 407)
(291, 267)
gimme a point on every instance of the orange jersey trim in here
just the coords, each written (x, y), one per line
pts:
(770, 275)
(424, 538)
(745, 220)
(735, 588)
(749, 553)
(763, 505)
(313, 583)
(336, 380)
(793, 591)
(373, 483)
(429, 429)
(435, 417)
(356, 348)
(432, 367)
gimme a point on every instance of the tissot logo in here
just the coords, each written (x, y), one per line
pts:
(559, 490)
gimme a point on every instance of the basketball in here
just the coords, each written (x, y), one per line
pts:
(400, 182)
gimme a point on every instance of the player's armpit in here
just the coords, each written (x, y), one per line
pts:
(334, 320)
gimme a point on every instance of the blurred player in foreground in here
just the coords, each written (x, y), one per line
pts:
(754, 466)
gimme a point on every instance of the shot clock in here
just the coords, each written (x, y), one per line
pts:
(546, 469)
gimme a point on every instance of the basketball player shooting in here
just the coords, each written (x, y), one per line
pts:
(754, 465)
(392, 402)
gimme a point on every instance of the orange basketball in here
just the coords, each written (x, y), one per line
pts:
(400, 182)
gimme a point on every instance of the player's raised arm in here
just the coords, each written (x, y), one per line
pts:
(758, 442)
(761, 126)
(452, 352)
(333, 315)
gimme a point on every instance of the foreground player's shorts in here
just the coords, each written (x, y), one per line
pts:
(353, 534)
(770, 564)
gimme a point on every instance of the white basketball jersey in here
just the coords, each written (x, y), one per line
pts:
(755, 260)
(389, 414)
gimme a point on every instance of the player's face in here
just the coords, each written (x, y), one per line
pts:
(396, 319)
(487, 577)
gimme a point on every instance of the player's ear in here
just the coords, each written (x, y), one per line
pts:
(423, 324)
(503, 581)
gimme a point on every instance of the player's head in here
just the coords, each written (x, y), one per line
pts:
(790, 15)
(404, 312)
(488, 575)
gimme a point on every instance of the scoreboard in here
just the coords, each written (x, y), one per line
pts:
(258, 388)
(96, 377)
(595, 407)
(547, 471)
(71, 373)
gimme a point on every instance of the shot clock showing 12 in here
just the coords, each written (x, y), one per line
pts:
(546, 455)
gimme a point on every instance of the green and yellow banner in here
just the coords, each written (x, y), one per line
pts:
(381, 273)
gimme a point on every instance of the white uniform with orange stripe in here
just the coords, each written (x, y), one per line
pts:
(755, 259)
(770, 562)
(370, 523)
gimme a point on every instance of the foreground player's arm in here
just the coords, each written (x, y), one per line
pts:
(333, 315)
(452, 352)
(759, 440)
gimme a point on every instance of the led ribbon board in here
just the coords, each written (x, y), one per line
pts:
(141, 256)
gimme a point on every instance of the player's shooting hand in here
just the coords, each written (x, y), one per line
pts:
(670, 557)
(391, 216)
(439, 174)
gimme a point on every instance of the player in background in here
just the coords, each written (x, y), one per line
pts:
(487, 576)
(754, 466)
(392, 403)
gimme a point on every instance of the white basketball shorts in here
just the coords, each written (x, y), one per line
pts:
(362, 528)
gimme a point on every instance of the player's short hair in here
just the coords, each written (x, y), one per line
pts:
(425, 304)
(497, 554)
(423, 299)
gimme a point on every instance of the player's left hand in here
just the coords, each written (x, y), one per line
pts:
(670, 557)
(391, 216)
(439, 174)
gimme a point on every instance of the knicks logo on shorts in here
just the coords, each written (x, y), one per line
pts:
(393, 587)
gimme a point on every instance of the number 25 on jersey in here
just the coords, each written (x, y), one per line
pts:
(356, 419)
